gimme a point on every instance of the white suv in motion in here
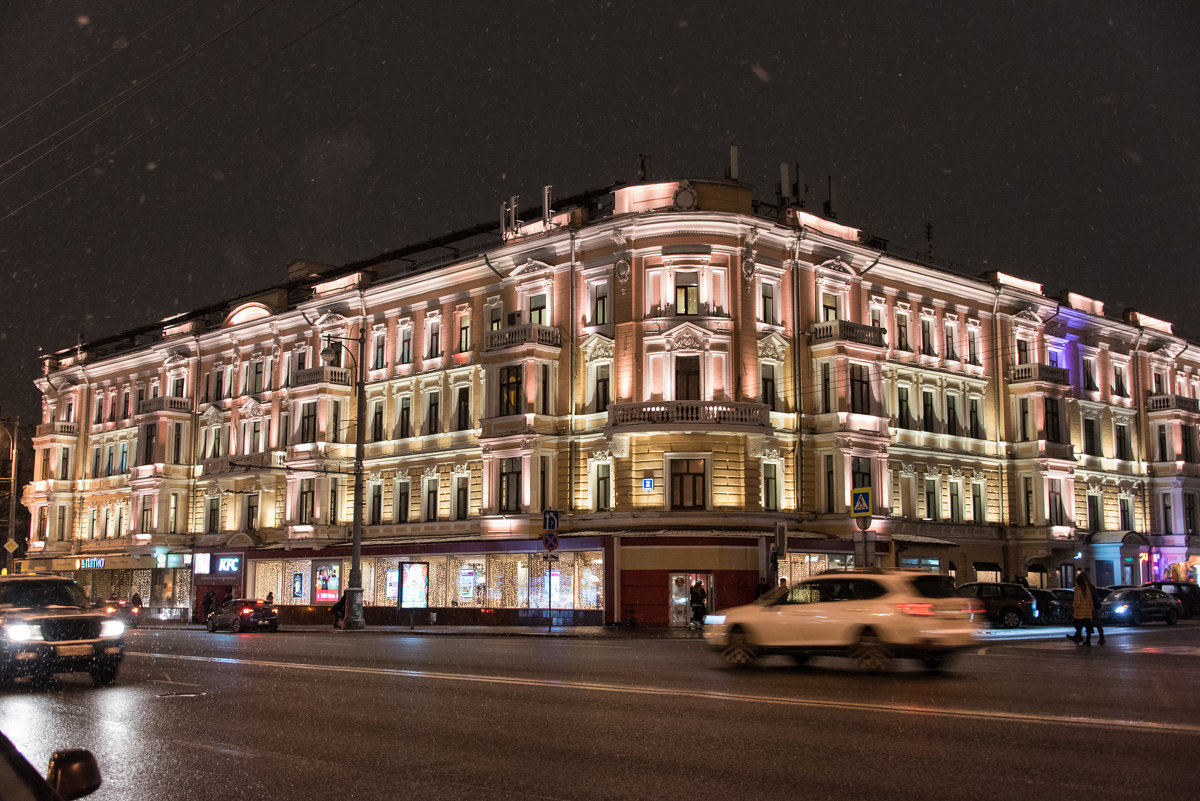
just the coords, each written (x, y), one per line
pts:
(867, 615)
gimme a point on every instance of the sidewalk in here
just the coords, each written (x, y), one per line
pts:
(578, 632)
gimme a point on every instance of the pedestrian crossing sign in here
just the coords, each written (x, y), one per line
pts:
(860, 502)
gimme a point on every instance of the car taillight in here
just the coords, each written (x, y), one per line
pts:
(135, 610)
(110, 609)
(972, 608)
(247, 610)
(916, 609)
(274, 610)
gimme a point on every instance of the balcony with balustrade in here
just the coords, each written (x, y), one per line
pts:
(57, 428)
(324, 374)
(846, 331)
(1035, 372)
(165, 403)
(689, 415)
(518, 335)
(1157, 405)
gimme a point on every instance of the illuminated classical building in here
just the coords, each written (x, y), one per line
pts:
(689, 378)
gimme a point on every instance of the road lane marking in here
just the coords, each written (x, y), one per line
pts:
(713, 695)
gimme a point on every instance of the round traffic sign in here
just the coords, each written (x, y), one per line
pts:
(550, 540)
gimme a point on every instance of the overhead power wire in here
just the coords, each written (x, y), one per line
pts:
(125, 96)
(178, 112)
(91, 68)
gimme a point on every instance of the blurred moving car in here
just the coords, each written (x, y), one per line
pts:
(1187, 593)
(73, 773)
(1135, 606)
(1007, 605)
(125, 612)
(47, 626)
(869, 616)
(1050, 609)
(245, 614)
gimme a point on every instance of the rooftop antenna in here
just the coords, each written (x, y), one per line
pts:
(831, 205)
(643, 170)
(546, 212)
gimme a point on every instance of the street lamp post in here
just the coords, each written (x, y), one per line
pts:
(354, 589)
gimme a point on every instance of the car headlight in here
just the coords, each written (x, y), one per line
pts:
(1122, 609)
(714, 620)
(22, 632)
(112, 628)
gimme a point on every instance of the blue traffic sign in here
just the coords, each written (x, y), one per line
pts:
(860, 502)
(550, 520)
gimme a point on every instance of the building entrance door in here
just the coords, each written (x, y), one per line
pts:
(680, 612)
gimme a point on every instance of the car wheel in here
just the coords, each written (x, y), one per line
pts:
(1172, 617)
(1010, 619)
(936, 661)
(870, 653)
(1135, 618)
(739, 651)
(237, 625)
(106, 674)
(212, 625)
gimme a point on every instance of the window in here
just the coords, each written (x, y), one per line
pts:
(600, 305)
(1119, 381)
(213, 518)
(375, 514)
(978, 508)
(434, 417)
(146, 526)
(406, 346)
(976, 420)
(1125, 508)
(1028, 482)
(435, 340)
(602, 387)
(1022, 351)
(256, 376)
(108, 465)
(860, 472)
(149, 433)
(494, 315)
(928, 416)
(402, 501)
(933, 502)
(464, 333)
(308, 422)
(951, 348)
(1089, 375)
(1121, 430)
(335, 428)
(510, 485)
(1163, 454)
(510, 390)
(304, 512)
(956, 511)
(377, 345)
(903, 412)
(284, 430)
(460, 498)
(252, 512)
(124, 405)
(64, 464)
(1168, 514)
(405, 424)
(952, 415)
(1054, 431)
(1023, 406)
(826, 399)
(1188, 437)
(768, 303)
(462, 409)
(177, 442)
(860, 389)
(902, 332)
(928, 345)
(1095, 519)
(687, 293)
(1189, 513)
(829, 307)
(687, 378)
(768, 386)
(545, 389)
(96, 462)
(377, 421)
(1055, 513)
(687, 484)
(99, 409)
(1160, 383)
(973, 346)
(334, 505)
(829, 484)
(1091, 442)
(770, 487)
(603, 487)
(537, 310)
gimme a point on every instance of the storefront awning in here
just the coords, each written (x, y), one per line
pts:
(917, 539)
(986, 566)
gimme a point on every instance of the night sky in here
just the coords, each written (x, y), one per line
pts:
(1057, 141)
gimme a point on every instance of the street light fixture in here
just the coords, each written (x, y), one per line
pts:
(354, 589)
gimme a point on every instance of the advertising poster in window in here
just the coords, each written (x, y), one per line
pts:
(414, 585)
(466, 583)
(393, 585)
(327, 582)
(297, 585)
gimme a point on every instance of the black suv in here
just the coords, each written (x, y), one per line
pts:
(1009, 605)
(47, 626)
(1185, 592)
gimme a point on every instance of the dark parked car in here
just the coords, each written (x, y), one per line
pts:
(1050, 609)
(73, 773)
(125, 612)
(1008, 605)
(245, 614)
(1187, 593)
(47, 626)
(1135, 606)
(1066, 597)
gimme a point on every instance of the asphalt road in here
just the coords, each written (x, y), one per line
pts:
(346, 715)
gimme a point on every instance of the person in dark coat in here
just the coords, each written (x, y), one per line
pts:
(1084, 592)
(699, 599)
(761, 588)
(207, 604)
(136, 600)
(1096, 622)
(338, 610)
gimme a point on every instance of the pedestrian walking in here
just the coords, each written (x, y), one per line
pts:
(338, 610)
(761, 588)
(207, 603)
(1096, 622)
(136, 600)
(270, 597)
(699, 599)
(1084, 592)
